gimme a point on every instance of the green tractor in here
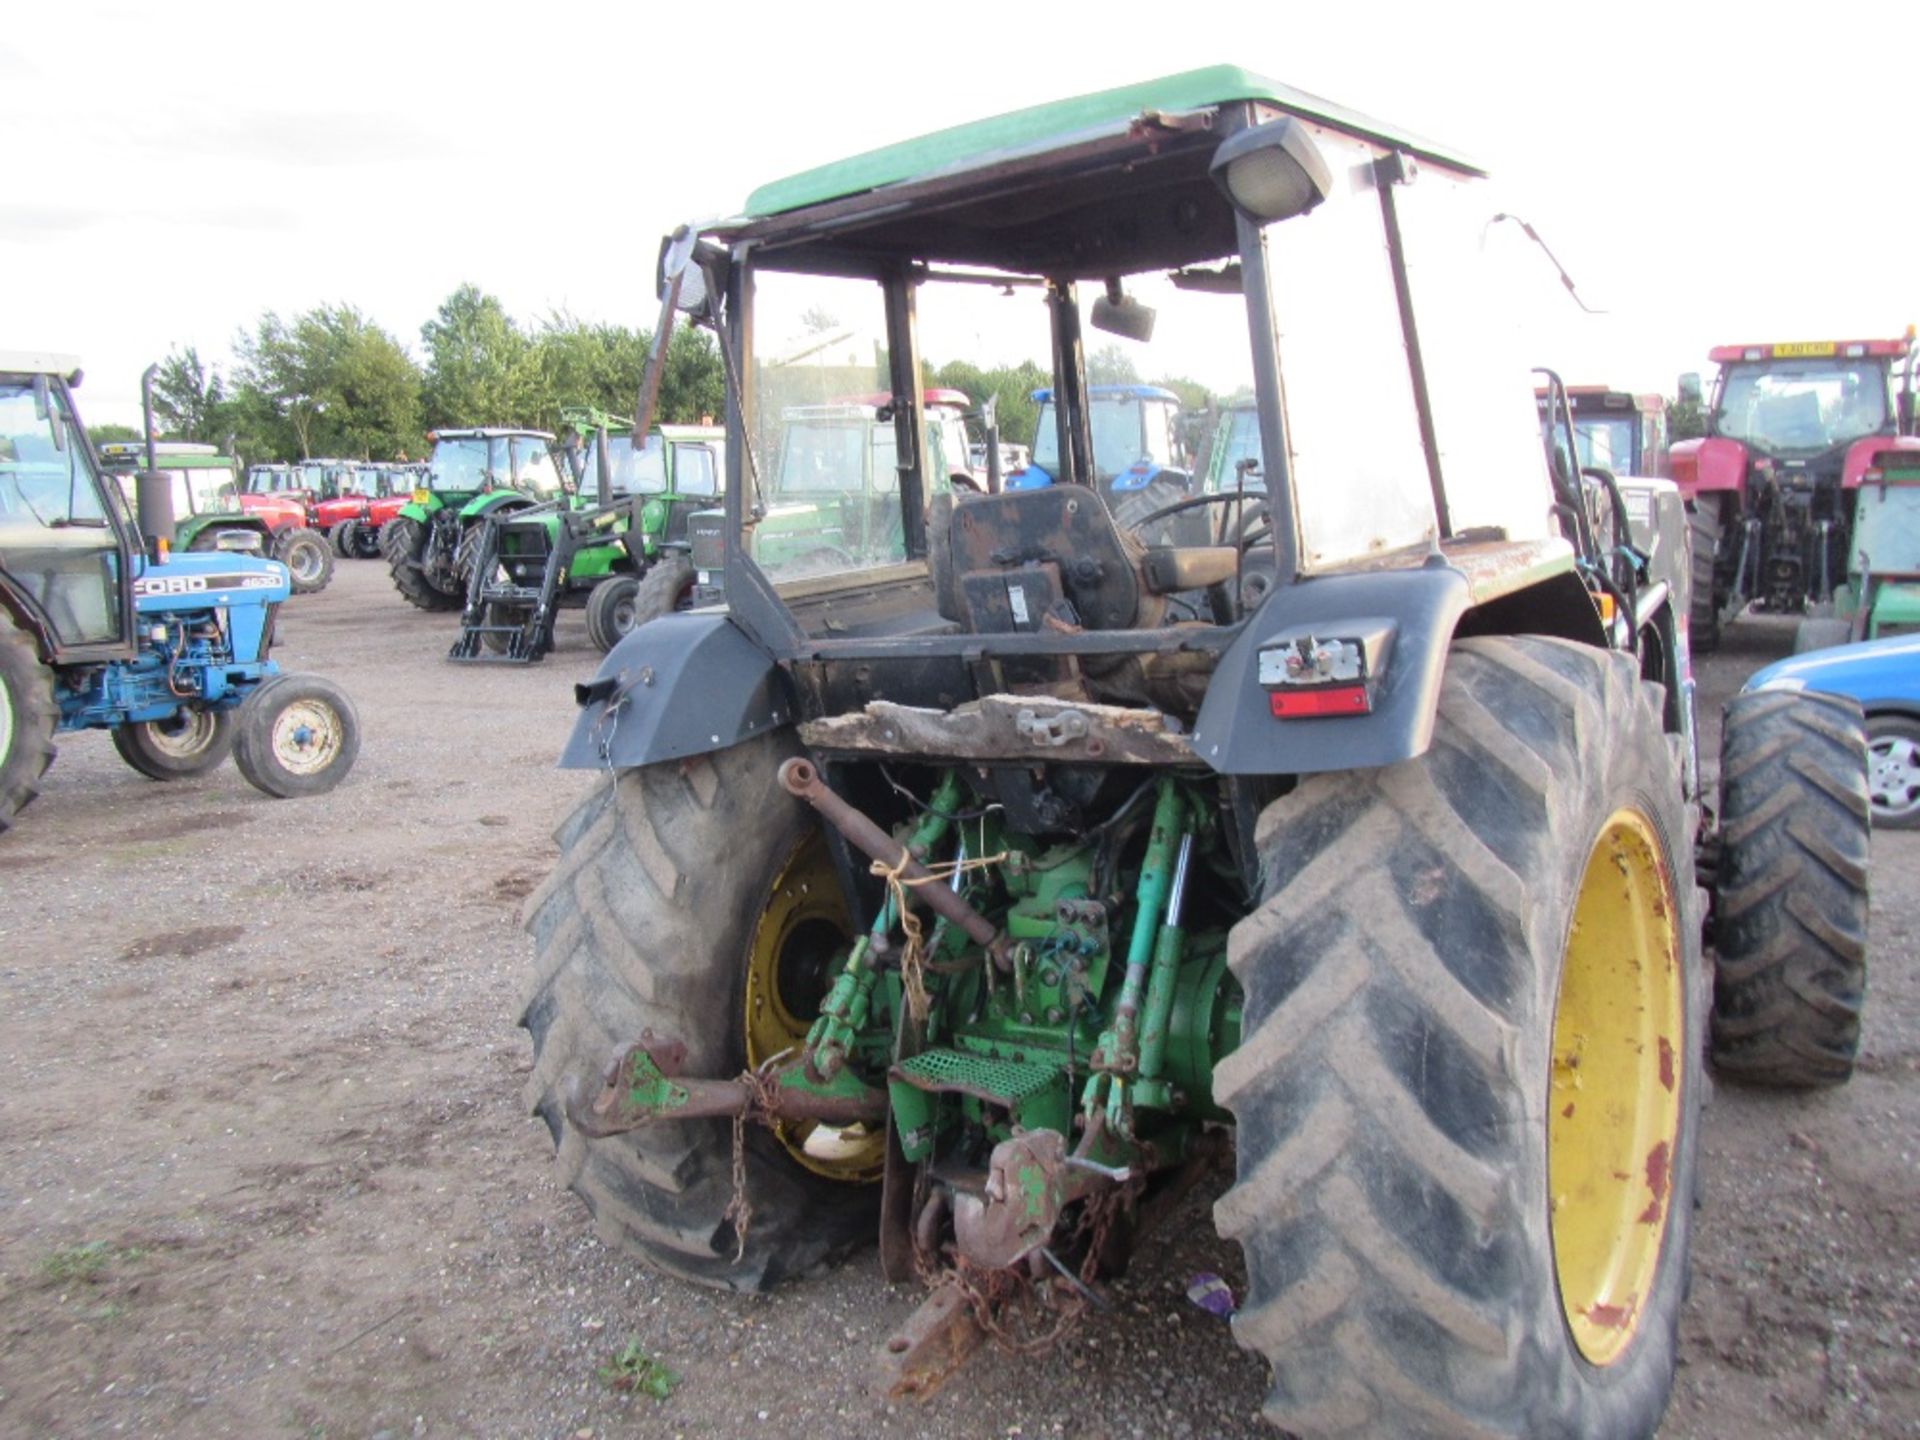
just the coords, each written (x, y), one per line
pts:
(472, 474)
(616, 546)
(213, 512)
(1881, 592)
(834, 493)
(964, 900)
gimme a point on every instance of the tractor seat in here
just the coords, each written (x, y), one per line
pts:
(1014, 561)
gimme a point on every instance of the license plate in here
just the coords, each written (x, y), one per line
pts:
(1803, 348)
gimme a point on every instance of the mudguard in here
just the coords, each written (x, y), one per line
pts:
(1714, 463)
(1885, 452)
(681, 685)
(1404, 618)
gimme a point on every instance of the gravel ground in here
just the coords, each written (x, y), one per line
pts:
(264, 1171)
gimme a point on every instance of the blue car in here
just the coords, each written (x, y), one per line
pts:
(1884, 676)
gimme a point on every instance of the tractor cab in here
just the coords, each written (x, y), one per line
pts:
(1140, 460)
(1613, 430)
(469, 463)
(66, 531)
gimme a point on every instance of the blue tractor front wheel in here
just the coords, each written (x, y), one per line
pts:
(296, 735)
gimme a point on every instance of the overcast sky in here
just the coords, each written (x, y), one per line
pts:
(1708, 173)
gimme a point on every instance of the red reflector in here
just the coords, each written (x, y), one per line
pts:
(1306, 704)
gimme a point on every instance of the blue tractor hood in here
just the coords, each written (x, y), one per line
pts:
(195, 580)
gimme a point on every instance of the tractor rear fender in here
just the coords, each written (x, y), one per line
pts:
(678, 686)
(1714, 463)
(1885, 452)
(1404, 620)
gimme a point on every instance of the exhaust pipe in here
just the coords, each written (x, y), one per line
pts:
(153, 492)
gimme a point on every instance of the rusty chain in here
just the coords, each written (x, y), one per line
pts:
(759, 1108)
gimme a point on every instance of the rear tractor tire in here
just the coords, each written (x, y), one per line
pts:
(308, 559)
(1468, 1085)
(297, 735)
(1790, 893)
(402, 541)
(340, 538)
(675, 881)
(27, 716)
(1703, 542)
(191, 743)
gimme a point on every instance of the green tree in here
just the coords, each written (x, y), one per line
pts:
(1018, 412)
(1686, 420)
(110, 433)
(1111, 365)
(575, 363)
(693, 387)
(481, 367)
(1193, 395)
(326, 382)
(189, 400)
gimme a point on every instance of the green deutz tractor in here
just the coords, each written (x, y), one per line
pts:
(429, 545)
(834, 494)
(963, 901)
(616, 546)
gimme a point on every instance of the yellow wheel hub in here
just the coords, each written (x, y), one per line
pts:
(798, 947)
(1614, 1102)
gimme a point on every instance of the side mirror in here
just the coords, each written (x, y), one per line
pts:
(1690, 392)
(1120, 314)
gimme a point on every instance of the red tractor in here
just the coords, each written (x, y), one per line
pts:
(1792, 432)
(345, 500)
(365, 497)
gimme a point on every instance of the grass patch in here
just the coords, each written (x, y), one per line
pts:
(88, 1261)
(631, 1371)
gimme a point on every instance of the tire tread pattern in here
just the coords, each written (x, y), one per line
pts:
(1791, 893)
(644, 924)
(29, 688)
(1384, 1208)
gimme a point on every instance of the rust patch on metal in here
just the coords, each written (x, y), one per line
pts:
(993, 729)
(1666, 1064)
(1568, 1112)
(1659, 1178)
(1614, 1317)
(923, 1354)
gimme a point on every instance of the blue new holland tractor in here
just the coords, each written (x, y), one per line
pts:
(103, 627)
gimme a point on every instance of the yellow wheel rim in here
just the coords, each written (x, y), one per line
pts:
(798, 947)
(1618, 1065)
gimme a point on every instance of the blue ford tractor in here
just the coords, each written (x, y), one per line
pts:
(104, 627)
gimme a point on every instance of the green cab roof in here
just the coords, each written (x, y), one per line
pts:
(1043, 127)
